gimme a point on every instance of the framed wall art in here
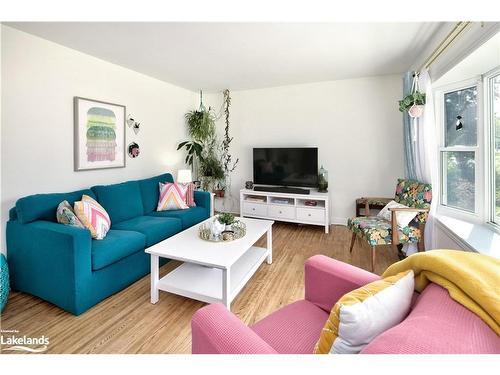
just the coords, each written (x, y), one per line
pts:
(99, 134)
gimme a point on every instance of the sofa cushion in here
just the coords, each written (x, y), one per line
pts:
(44, 206)
(437, 325)
(294, 329)
(116, 245)
(150, 191)
(188, 217)
(121, 201)
(155, 229)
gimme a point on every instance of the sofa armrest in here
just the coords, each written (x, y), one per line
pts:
(215, 330)
(203, 199)
(49, 260)
(327, 279)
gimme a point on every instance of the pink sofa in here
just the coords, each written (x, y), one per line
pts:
(436, 323)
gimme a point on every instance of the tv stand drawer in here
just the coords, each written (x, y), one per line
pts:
(281, 212)
(313, 215)
(257, 209)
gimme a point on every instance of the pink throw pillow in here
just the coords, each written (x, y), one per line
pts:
(172, 197)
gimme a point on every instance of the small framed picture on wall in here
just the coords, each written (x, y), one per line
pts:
(99, 134)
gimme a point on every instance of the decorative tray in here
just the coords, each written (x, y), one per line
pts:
(212, 232)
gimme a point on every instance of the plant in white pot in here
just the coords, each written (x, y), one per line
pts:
(413, 104)
(227, 219)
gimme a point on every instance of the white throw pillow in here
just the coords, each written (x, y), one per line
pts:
(403, 218)
(364, 313)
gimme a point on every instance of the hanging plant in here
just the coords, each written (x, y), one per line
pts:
(226, 158)
(200, 124)
(414, 102)
(201, 128)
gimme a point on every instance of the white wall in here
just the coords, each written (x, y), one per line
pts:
(355, 124)
(39, 81)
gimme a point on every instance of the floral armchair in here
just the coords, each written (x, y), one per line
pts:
(378, 231)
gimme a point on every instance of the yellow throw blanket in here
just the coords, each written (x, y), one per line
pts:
(472, 279)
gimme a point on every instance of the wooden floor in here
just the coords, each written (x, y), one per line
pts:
(128, 323)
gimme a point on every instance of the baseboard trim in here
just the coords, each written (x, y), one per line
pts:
(339, 221)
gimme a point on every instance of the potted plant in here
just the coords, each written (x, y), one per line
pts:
(211, 171)
(413, 104)
(220, 189)
(227, 219)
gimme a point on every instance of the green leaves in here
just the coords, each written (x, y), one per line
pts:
(417, 98)
(225, 218)
(210, 166)
(193, 149)
(200, 124)
(215, 161)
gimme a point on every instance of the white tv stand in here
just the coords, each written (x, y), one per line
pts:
(286, 207)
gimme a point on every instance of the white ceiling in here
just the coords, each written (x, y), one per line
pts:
(214, 56)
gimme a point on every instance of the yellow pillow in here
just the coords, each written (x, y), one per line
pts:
(361, 315)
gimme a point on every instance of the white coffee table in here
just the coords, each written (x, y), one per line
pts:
(212, 271)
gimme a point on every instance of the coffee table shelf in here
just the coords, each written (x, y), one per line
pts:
(205, 283)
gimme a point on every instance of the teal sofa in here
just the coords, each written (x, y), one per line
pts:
(65, 266)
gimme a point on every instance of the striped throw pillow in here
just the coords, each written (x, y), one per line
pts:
(93, 216)
(363, 314)
(172, 197)
(190, 194)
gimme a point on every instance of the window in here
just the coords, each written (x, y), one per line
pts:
(459, 151)
(467, 108)
(469, 114)
(493, 108)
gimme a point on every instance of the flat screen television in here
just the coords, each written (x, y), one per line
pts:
(286, 166)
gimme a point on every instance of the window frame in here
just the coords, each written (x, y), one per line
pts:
(478, 215)
(489, 125)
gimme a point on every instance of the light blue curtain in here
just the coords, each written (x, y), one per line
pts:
(408, 144)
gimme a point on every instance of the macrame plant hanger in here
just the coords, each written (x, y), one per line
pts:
(414, 88)
(202, 107)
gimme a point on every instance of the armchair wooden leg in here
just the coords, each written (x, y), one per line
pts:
(420, 246)
(373, 259)
(421, 243)
(399, 249)
(353, 239)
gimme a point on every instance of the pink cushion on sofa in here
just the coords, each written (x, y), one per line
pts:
(438, 325)
(294, 329)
